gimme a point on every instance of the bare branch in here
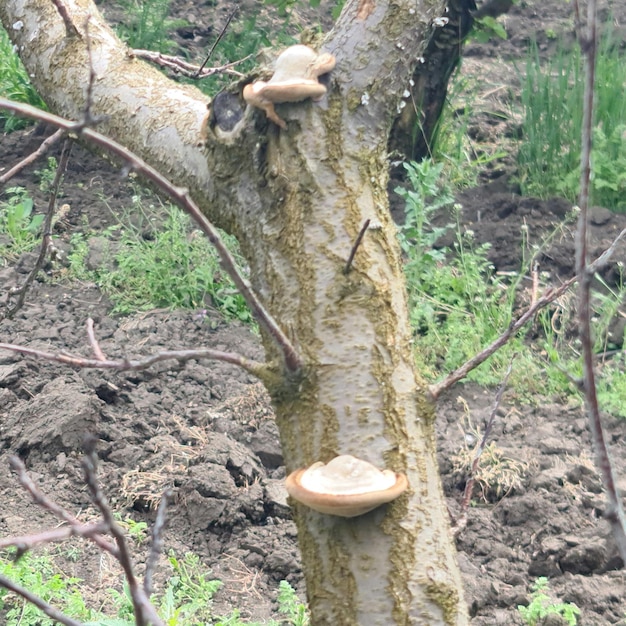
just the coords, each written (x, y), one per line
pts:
(454, 377)
(615, 512)
(219, 38)
(44, 502)
(355, 247)
(88, 119)
(605, 257)
(28, 542)
(20, 292)
(49, 610)
(93, 342)
(145, 613)
(43, 148)
(190, 70)
(260, 370)
(181, 197)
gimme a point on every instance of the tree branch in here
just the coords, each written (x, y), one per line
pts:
(40, 499)
(260, 370)
(461, 521)
(28, 542)
(145, 612)
(184, 68)
(21, 292)
(451, 379)
(49, 610)
(181, 198)
(615, 512)
(43, 148)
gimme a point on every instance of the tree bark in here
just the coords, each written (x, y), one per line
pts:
(296, 199)
(414, 131)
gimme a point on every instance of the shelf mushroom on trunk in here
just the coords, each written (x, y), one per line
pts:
(346, 486)
(295, 78)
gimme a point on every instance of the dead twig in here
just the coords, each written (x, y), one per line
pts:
(219, 38)
(156, 546)
(184, 68)
(145, 613)
(40, 499)
(355, 247)
(70, 27)
(28, 542)
(181, 198)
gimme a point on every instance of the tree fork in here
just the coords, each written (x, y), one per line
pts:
(296, 199)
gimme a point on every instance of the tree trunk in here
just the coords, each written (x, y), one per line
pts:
(414, 131)
(296, 199)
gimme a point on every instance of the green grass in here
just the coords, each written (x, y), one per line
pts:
(18, 223)
(14, 84)
(552, 97)
(39, 575)
(162, 262)
(186, 600)
(462, 157)
(458, 306)
(148, 25)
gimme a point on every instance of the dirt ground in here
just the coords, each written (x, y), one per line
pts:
(206, 429)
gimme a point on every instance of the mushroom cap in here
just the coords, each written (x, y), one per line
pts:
(300, 61)
(293, 90)
(346, 486)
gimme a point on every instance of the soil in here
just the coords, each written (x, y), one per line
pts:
(206, 431)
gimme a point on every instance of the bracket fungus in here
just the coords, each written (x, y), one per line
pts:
(295, 79)
(346, 486)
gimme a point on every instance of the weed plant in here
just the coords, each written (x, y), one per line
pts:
(552, 97)
(147, 25)
(542, 605)
(187, 599)
(15, 84)
(456, 303)
(170, 266)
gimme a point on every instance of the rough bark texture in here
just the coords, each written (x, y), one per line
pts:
(415, 129)
(297, 199)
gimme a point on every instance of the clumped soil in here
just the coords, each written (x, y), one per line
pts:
(206, 430)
